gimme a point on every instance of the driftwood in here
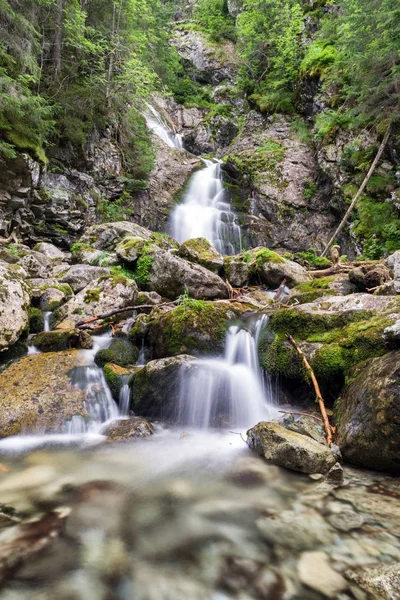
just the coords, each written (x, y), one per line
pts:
(327, 426)
(360, 190)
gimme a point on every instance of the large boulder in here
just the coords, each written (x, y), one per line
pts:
(79, 276)
(37, 396)
(368, 415)
(171, 276)
(199, 250)
(196, 327)
(120, 352)
(156, 386)
(103, 295)
(108, 235)
(50, 251)
(273, 268)
(14, 306)
(290, 449)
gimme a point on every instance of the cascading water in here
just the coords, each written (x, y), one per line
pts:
(46, 317)
(157, 125)
(206, 213)
(228, 390)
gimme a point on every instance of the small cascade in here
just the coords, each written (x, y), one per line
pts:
(46, 316)
(206, 213)
(158, 125)
(124, 399)
(99, 402)
(227, 391)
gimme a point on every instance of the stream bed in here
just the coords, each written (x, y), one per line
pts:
(191, 515)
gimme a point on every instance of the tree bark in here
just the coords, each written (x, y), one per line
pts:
(360, 191)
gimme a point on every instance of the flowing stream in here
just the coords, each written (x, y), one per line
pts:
(157, 125)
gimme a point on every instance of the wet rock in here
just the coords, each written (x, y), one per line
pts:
(79, 276)
(315, 572)
(50, 251)
(36, 320)
(103, 295)
(170, 276)
(289, 449)
(346, 520)
(155, 387)
(299, 530)
(51, 299)
(392, 333)
(36, 394)
(55, 341)
(121, 352)
(199, 250)
(116, 377)
(108, 235)
(367, 415)
(196, 328)
(381, 581)
(14, 305)
(336, 474)
(237, 270)
(129, 429)
(306, 426)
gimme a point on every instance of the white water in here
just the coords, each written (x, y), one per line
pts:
(157, 125)
(227, 391)
(46, 316)
(206, 213)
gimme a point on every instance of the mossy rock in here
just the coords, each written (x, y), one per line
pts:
(115, 377)
(196, 327)
(56, 341)
(121, 352)
(37, 394)
(200, 250)
(36, 320)
(134, 428)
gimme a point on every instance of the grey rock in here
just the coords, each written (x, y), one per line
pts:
(381, 581)
(14, 305)
(392, 333)
(315, 572)
(391, 288)
(50, 251)
(100, 296)
(273, 273)
(289, 449)
(51, 299)
(346, 520)
(199, 250)
(79, 276)
(130, 248)
(305, 426)
(170, 275)
(108, 235)
(393, 262)
(367, 415)
(299, 530)
(335, 475)
(130, 429)
(236, 270)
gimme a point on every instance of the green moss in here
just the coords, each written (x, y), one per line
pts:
(92, 295)
(121, 352)
(80, 247)
(118, 270)
(143, 266)
(116, 278)
(264, 255)
(311, 259)
(55, 341)
(115, 377)
(262, 164)
(139, 385)
(315, 284)
(36, 320)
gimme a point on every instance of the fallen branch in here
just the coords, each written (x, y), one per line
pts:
(291, 412)
(331, 271)
(327, 426)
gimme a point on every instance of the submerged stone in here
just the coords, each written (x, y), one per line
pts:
(129, 429)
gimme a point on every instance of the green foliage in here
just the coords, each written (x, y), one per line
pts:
(310, 188)
(143, 266)
(187, 302)
(214, 18)
(377, 226)
(118, 270)
(310, 258)
(318, 59)
(114, 210)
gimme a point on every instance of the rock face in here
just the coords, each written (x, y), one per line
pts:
(289, 449)
(368, 415)
(155, 387)
(36, 394)
(101, 296)
(14, 305)
(170, 276)
(196, 328)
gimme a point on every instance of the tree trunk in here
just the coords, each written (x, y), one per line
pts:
(360, 191)
(58, 39)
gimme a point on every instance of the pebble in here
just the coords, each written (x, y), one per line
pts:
(316, 573)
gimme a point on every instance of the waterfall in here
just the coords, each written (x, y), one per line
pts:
(227, 391)
(206, 213)
(99, 402)
(157, 125)
(46, 316)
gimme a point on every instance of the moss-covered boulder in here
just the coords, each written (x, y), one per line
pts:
(116, 377)
(171, 276)
(367, 415)
(121, 352)
(37, 396)
(134, 428)
(103, 295)
(290, 449)
(36, 320)
(130, 248)
(79, 276)
(51, 299)
(273, 269)
(108, 235)
(335, 333)
(196, 327)
(237, 269)
(156, 386)
(199, 250)
(57, 340)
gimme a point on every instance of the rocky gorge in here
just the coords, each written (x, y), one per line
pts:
(159, 434)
